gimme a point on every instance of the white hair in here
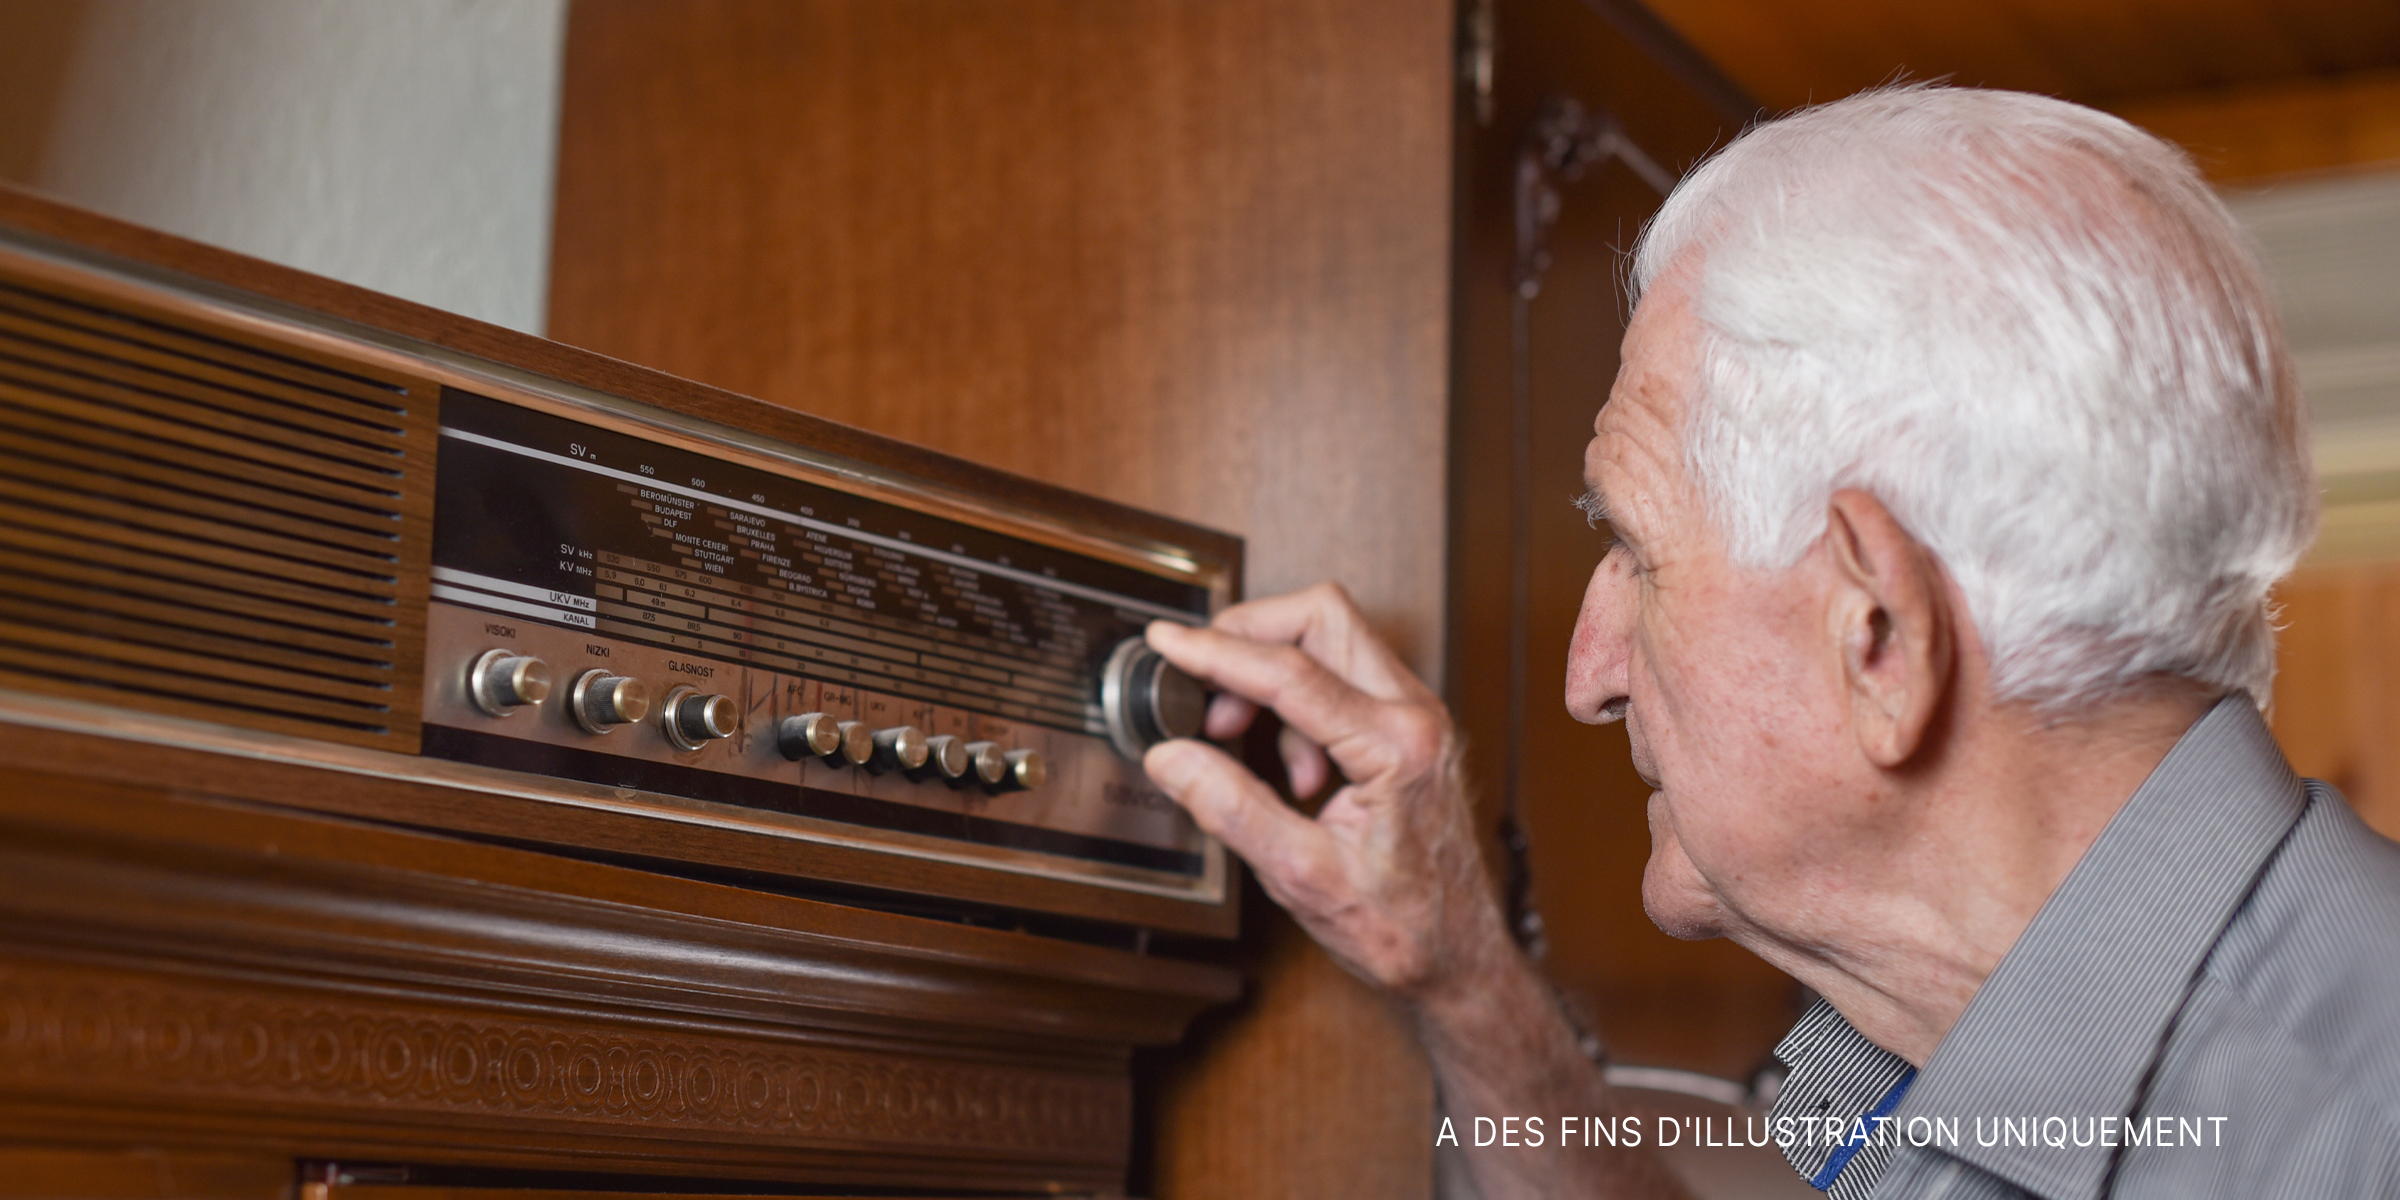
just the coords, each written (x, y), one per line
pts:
(2033, 334)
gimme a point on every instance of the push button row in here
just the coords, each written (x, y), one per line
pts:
(907, 750)
(499, 683)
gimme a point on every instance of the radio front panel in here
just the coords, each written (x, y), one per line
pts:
(603, 556)
(242, 528)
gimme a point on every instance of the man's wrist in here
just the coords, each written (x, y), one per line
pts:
(1489, 980)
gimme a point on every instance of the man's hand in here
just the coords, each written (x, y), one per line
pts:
(1386, 877)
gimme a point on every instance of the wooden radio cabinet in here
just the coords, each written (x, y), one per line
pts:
(265, 925)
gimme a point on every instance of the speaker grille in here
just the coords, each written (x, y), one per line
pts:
(199, 521)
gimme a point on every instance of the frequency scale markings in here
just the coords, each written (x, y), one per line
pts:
(831, 601)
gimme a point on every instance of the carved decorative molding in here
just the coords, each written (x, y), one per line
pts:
(218, 977)
(164, 1039)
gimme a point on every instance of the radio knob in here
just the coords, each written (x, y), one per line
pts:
(809, 735)
(500, 682)
(1145, 700)
(1027, 770)
(692, 718)
(945, 759)
(601, 701)
(899, 748)
(826, 737)
(987, 766)
(858, 745)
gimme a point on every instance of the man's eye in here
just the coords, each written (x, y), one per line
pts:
(1620, 555)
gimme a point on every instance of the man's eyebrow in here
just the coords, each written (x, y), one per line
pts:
(1594, 506)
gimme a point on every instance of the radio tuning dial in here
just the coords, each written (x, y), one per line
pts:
(600, 701)
(500, 682)
(1145, 700)
(899, 748)
(692, 718)
(945, 759)
(827, 738)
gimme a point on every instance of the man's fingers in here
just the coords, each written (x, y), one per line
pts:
(1323, 707)
(1225, 799)
(1303, 762)
(1327, 624)
(1228, 716)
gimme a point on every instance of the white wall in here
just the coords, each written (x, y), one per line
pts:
(402, 145)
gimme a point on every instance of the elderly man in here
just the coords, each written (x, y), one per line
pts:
(1953, 457)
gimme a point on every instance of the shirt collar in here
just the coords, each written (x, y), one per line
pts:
(1836, 1086)
(2071, 1019)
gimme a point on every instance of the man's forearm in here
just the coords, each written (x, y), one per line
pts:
(1501, 1048)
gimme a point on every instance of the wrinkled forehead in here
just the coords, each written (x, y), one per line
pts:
(1636, 452)
(1659, 363)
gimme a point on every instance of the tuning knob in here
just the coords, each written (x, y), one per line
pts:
(1145, 700)
(945, 759)
(500, 682)
(692, 718)
(600, 701)
(899, 748)
(827, 738)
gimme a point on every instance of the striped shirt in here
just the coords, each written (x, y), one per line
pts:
(2209, 1005)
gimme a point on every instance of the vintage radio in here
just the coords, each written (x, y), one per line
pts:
(652, 623)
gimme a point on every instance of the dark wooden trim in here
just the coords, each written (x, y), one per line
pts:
(1709, 83)
(67, 1172)
(452, 908)
(631, 837)
(182, 968)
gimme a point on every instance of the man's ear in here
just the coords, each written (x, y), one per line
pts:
(1892, 621)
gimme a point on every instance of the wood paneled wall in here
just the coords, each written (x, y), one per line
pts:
(2337, 683)
(2249, 134)
(38, 47)
(1189, 256)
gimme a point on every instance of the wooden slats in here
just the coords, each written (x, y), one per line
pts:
(30, 387)
(235, 659)
(365, 395)
(334, 581)
(370, 637)
(195, 690)
(142, 554)
(200, 531)
(208, 522)
(222, 385)
(183, 399)
(78, 479)
(270, 641)
(89, 659)
(105, 453)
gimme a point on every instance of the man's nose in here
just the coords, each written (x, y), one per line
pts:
(1600, 653)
